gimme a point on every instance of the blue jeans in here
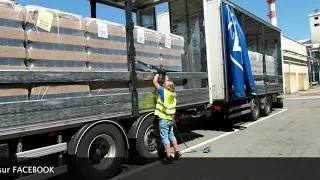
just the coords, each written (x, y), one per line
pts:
(166, 131)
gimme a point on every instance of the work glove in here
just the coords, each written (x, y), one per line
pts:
(159, 71)
(164, 72)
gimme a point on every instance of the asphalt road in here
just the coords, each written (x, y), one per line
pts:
(289, 132)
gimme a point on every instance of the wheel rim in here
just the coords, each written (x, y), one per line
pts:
(102, 151)
(150, 140)
(254, 107)
(267, 105)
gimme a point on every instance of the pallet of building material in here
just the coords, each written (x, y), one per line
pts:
(171, 51)
(171, 48)
(270, 65)
(256, 62)
(106, 45)
(55, 40)
(12, 51)
(13, 93)
(146, 42)
(105, 88)
(57, 91)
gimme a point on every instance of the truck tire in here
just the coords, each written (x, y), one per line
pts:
(103, 139)
(255, 110)
(147, 143)
(267, 107)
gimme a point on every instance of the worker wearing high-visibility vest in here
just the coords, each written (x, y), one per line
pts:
(165, 110)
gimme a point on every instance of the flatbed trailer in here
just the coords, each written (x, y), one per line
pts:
(125, 121)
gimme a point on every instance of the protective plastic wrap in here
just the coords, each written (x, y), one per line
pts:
(106, 45)
(13, 93)
(147, 43)
(171, 49)
(256, 61)
(12, 51)
(104, 88)
(55, 40)
(59, 91)
(270, 65)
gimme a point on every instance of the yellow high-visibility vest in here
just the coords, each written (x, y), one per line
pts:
(167, 109)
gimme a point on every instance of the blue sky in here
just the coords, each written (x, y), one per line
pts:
(292, 15)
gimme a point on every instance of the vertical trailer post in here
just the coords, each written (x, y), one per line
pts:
(242, 21)
(131, 58)
(93, 6)
(264, 57)
(279, 59)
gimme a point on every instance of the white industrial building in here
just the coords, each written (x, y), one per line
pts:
(315, 27)
(313, 48)
(295, 66)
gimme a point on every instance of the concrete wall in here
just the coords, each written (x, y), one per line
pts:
(295, 66)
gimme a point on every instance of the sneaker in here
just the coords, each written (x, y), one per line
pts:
(169, 158)
(177, 155)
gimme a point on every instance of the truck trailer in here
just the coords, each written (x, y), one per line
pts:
(225, 62)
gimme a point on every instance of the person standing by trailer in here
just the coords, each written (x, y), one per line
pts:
(165, 111)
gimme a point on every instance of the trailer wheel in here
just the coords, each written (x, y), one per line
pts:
(255, 110)
(147, 143)
(101, 152)
(267, 107)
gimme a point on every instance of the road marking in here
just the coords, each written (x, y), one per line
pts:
(304, 98)
(228, 133)
(193, 147)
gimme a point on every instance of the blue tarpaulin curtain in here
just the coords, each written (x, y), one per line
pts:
(238, 62)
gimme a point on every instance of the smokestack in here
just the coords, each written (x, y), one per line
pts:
(272, 14)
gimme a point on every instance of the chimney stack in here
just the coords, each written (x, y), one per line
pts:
(272, 14)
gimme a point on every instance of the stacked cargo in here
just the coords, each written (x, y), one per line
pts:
(270, 65)
(256, 61)
(171, 50)
(146, 43)
(106, 46)
(13, 93)
(55, 40)
(52, 40)
(106, 51)
(58, 91)
(12, 51)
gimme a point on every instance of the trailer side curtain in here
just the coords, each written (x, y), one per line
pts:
(238, 62)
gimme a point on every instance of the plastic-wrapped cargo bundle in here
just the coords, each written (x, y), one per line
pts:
(12, 51)
(256, 62)
(13, 93)
(104, 88)
(171, 49)
(270, 65)
(147, 43)
(59, 91)
(106, 45)
(55, 40)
